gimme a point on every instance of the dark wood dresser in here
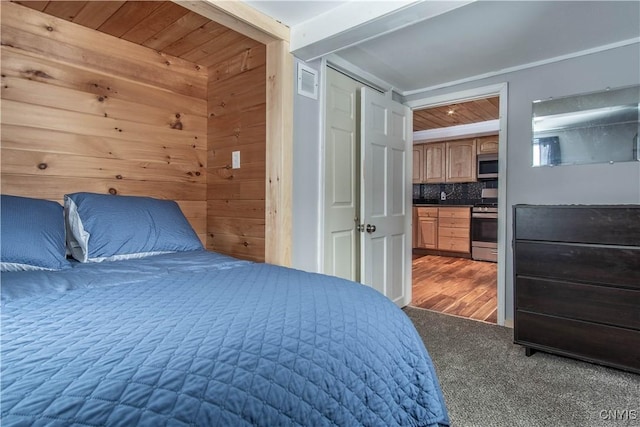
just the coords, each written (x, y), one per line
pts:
(577, 282)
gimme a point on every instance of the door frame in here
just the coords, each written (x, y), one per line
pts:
(500, 90)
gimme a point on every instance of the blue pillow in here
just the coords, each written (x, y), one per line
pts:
(32, 233)
(102, 227)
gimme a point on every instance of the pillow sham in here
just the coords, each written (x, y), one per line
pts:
(32, 234)
(103, 227)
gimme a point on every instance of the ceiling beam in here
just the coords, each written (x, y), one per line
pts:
(356, 22)
(241, 18)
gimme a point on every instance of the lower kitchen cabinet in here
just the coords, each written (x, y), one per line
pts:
(454, 229)
(577, 282)
(427, 228)
(443, 228)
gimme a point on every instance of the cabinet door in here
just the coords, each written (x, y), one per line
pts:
(434, 158)
(487, 145)
(461, 161)
(428, 233)
(418, 163)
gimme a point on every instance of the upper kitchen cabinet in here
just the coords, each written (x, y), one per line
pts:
(451, 161)
(487, 145)
(435, 164)
(461, 161)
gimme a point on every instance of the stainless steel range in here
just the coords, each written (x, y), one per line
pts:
(484, 227)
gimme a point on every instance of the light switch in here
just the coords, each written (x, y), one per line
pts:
(235, 160)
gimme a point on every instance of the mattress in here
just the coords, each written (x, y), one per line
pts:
(201, 339)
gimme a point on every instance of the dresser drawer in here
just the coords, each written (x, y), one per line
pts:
(579, 263)
(611, 225)
(454, 244)
(601, 304)
(618, 347)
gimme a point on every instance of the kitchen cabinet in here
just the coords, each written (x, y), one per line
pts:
(487, 145)
(427, 228)
(435, 162)
(577, 282)
(440, 162)
(454, 229)
(418, 163)
(443, 228)
(461, 161)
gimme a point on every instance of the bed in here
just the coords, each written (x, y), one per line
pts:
(167, 333)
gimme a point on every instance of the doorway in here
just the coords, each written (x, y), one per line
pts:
(456, 283)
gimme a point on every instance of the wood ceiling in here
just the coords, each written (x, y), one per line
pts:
(160, 25)
(463, 113)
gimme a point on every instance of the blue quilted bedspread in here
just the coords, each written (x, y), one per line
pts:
(217, 343)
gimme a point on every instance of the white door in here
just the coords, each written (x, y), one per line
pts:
(385, 200)
(341, 195)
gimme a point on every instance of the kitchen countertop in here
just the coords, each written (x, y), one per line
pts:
(443, 203)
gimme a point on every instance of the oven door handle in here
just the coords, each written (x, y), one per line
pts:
(484, 215)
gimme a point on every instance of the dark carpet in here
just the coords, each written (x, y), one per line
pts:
(488, 381)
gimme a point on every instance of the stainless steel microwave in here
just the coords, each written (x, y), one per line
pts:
(487, 166)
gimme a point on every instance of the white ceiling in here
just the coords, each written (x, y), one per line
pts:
(475, 39)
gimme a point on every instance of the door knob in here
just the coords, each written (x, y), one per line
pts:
(371, 228)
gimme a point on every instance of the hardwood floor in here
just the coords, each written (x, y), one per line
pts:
(457, 286)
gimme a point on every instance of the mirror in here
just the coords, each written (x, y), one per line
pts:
(600, 127)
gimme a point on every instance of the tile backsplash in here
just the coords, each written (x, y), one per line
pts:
(460, 192)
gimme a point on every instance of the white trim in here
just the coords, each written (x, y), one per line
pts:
(321, 161)
(464, 95)
(357, 73)
(484, 92)
(524, 66)
(489, 127)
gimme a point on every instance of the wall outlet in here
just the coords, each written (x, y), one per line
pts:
(235, 160)
(443, 195)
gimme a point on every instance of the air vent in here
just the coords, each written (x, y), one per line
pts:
(307, 81)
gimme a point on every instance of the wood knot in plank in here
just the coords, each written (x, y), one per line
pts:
(176, 125)
(244, 65)
(38, 73)
(225, 172)
(245, 243)
(49, 28)
(113, 191)
(42, 166)
(118, 176)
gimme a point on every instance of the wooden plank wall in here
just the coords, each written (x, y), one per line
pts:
(237, 122)
(83, 111)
